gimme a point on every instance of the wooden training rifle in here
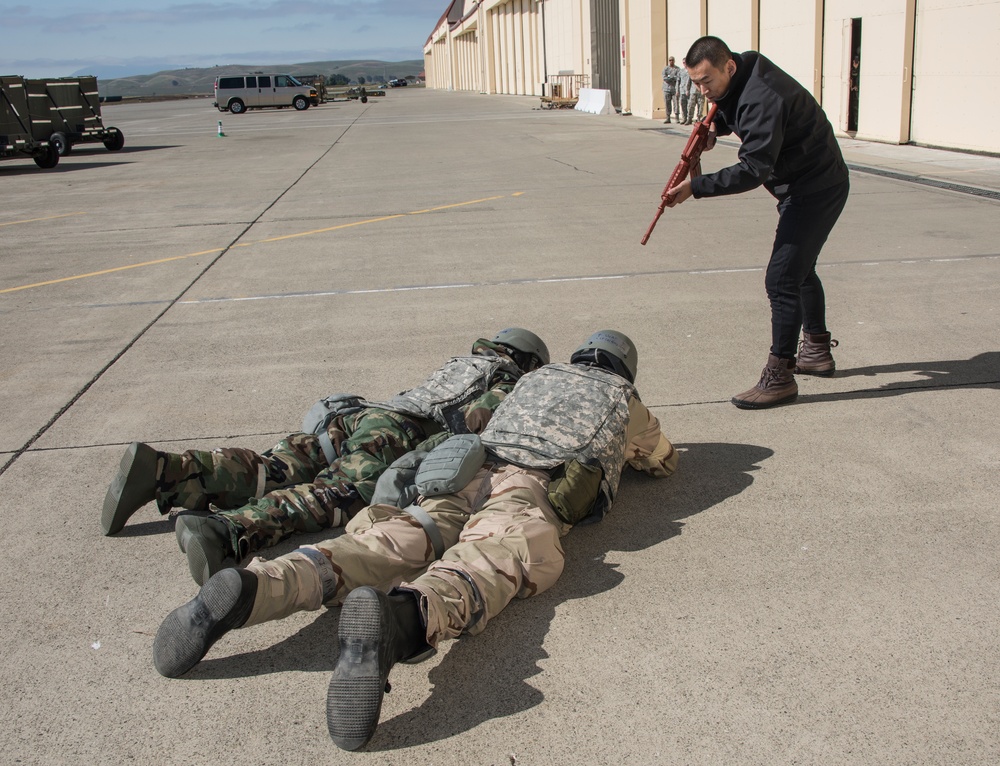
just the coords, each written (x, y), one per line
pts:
(690, 163)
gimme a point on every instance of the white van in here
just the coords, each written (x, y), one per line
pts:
(256, 91)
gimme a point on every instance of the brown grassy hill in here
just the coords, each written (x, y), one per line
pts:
(200, 81)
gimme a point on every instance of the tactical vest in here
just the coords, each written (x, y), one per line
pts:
(459, 381)
(565, 412)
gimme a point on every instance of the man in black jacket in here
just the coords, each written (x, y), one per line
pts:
(788, 146)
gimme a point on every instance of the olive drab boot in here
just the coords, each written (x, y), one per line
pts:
(776, 386)
(814, 355)
(134, 485)
(223, 604)
(376, 631)
(211, 544)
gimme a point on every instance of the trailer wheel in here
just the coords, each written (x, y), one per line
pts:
(364, 99)
(301, 103)
(114, 140)
(60, 143)
(236, 106)
(48, 159)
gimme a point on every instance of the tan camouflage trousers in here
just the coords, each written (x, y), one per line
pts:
(502, 539)
(290, 488)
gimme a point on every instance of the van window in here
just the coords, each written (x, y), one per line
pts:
(264, 82)
(283, 81)
(230, 82)
(251, 82)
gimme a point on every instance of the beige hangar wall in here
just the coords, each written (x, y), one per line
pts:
(684, 26)
(791, 36)
(645, 57)
(927, 75)
(513, 47)
(954, 91)
(730, 20)
(566, 27)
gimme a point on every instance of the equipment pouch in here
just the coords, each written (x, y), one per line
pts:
(397, 484)
(325, 410)
(451, 465)
(574, 489)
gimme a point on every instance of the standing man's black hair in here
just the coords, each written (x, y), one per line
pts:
(708, 48)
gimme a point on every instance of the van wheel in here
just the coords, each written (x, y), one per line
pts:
(236, 106)
(114, 140)
(60, 143)
(301, 103)
(49, 159)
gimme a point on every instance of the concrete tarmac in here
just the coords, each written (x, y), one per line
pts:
(818, 584)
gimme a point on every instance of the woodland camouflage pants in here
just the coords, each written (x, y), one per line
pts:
(291, 487)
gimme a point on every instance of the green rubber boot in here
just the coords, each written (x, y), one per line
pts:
(134, 486)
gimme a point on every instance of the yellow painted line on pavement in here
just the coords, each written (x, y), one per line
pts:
(328, 228)
(110, 271)
(248, 244)
(46, 218)
(458, 204)
(373, 220)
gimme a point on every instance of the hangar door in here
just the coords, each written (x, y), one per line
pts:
(606, 48)
(954, 87)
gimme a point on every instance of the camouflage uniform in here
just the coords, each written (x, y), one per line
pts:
(264, 498)
(683, 90)
(670, 77)
(696, 103)
(502, 536)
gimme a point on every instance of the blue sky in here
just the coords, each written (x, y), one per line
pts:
(118, 37)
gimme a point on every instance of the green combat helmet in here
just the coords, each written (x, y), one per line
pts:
(524, 342)
(611, 350)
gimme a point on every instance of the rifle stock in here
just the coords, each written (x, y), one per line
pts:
(690, 163)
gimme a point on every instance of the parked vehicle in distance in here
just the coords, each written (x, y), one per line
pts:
(399, 83)
(260, 91)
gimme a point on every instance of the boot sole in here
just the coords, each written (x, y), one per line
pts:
(188, 632)
(745, 405)
(124, 498)
(354, 699)
(815, 373)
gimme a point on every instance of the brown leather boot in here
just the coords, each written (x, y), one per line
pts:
(814, 355)
(777, 386)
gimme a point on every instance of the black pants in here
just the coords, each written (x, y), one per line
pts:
(794, 289)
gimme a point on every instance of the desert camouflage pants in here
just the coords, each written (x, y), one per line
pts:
(502, 539)
(290, 488)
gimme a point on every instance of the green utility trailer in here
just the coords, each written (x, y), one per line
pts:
(66, 111)
(17, 137)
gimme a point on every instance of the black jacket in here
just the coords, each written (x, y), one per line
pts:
(788, 143)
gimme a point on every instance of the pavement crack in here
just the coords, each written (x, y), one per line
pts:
(581, 170)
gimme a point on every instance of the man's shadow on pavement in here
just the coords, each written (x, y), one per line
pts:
(982, 370)
(485, 677)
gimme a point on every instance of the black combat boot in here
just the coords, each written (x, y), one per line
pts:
(814, 355)
(776, 386)
(376, 631)
(211, 544)
(188, 632)
(134, 486)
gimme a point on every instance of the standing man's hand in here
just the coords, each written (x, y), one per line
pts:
(680, 192)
